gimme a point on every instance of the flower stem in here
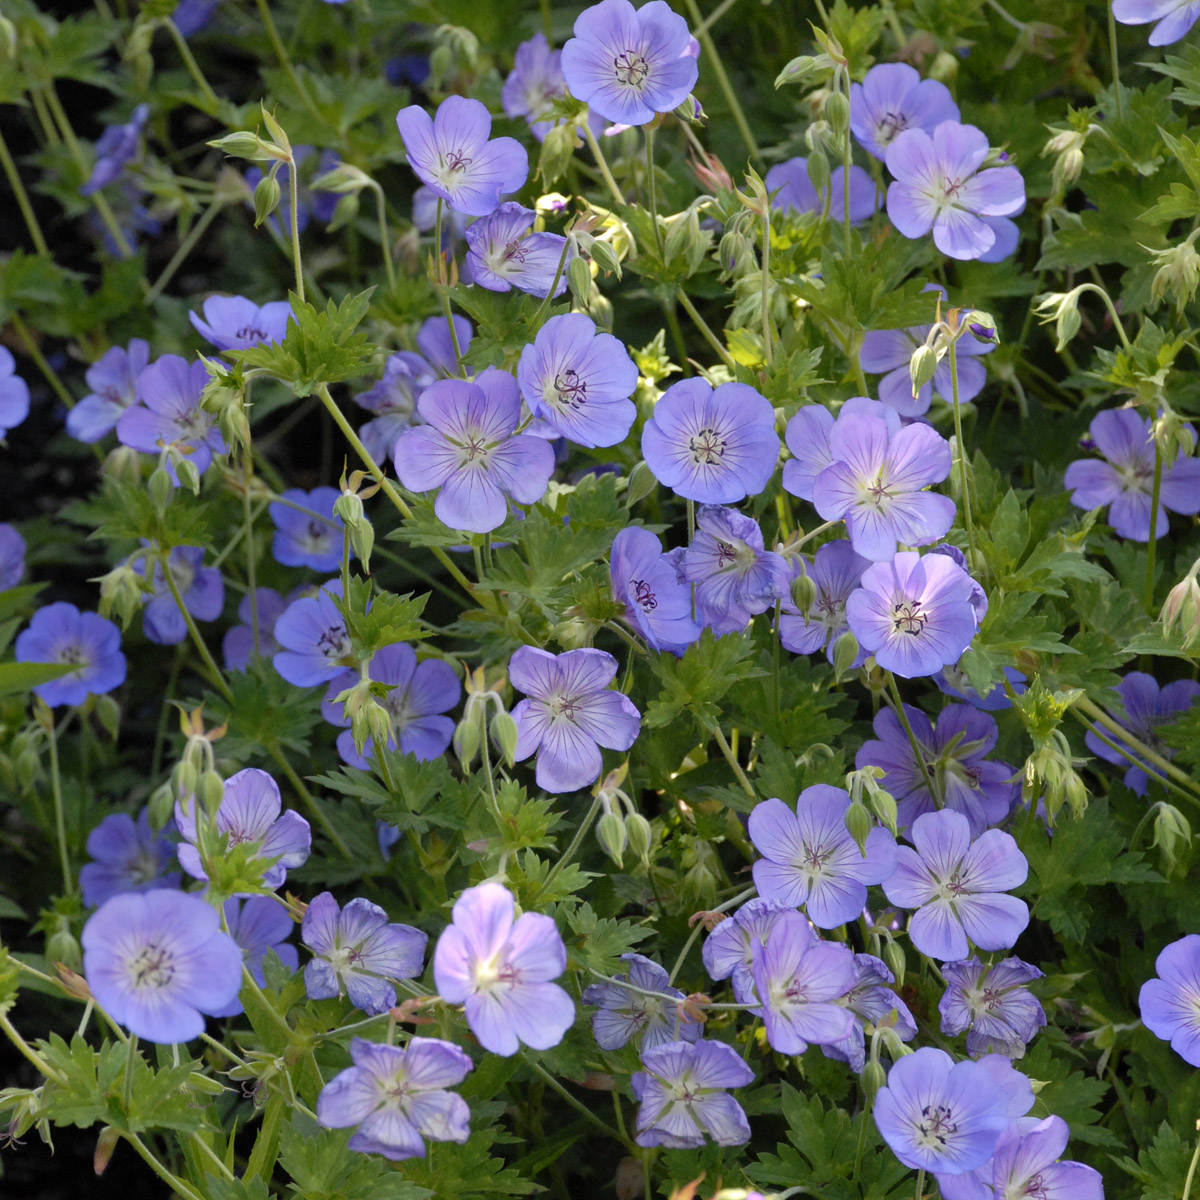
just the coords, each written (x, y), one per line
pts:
(577, 1105)
(148, 1157)
(28, 1052)
(702, 325)
(206, 656)
(1116, 72)
(731, 759)
(768, 347)
(284, 61)
(1153, 543)
(963, 468)
(920, 1192)
(60, 824)
(276, 752)
(538, 316)
(1112, 308)
(902, 716)
(576, 841)
(294, 195)
(188, 244)
(602, 163)
(1191, 1172)
(189, 61)
(385, 237)
(712, 57)
(18, 188)
(652, 191)
(48, 372)
(248, 533)
(483, 599)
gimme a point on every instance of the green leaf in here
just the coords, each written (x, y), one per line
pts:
(602, 940)
(19, 677)
(319, 348)
(1162, 1167)
(322, 1168)
(380, 619)
(695, 682)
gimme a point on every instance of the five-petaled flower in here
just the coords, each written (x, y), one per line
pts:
(500, 970)
(892, 98)
(623, 1014)
(683, 1097)
(397, 1097)
(990, 1004)
(357, 951)
(629, 64)
(60, 633)
(569, 714)
(503, 253)
(470, 450)
(451, 153)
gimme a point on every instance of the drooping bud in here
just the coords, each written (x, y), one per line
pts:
(818, 169)
(611, 834)
(897, 963)
(212, 791)
(266, 198)
(579, 280)
(121, 594)
(837, 113)
(106, 1143)
(1173, 838)
(505, 734)
(108, 713)
(872, 1079)
(803, 591)
(161, 806)
(859, 825)
(1063, 309)
(640, 835)
(845, 651)
(161, 490)
(921, 367)
(558, 149)
(642, 483)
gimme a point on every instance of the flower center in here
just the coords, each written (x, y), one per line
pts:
(251, 333)
(152, 968)
(631, 69)
(1036, 1189)
(707, 447)
(643, 595)
(892, 124)
(953, 887)
(334, 642)
(564, 707)
(72, 653)
(456, 160)
(474, 452)
(815, 858)
(876, 493)
(935, 1127)
(908, 618)
(570, 388)
(318, 531)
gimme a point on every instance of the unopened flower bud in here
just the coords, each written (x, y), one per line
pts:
(803, 592)
(161, 806)
(610, 833)
(342, 180)
(837, 113)
(579, 279)
(240, 145)
(184, 777)
(690, 112)
(818, 170)
(106, 1143)
(62, 946)
(189, 476)
(558, 149)
(640, 835)
(883, 805)
(642, 482)
(505, 733)
(123, 464)
(120, 594)
(872, 1078)
(605, 257)
(1182, 608)
(859, 825)
(108, 713)
(212, 791)
(1178, 272)
(161, 490)
(467, 737)
(921, 367)
(897, 963)
(944, 67)
(8, 41)
(1172, 837)
(797, 71)
(266, 198)
(28, 768)
(845, 651)
(981, 326)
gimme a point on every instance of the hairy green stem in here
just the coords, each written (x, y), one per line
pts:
(652, 191)
(148, 1157)
(189, 61)
(285, 61)
(902, 716)
(768, 346)
(1116, 67)
(385, 237)
(276, 752)
(578, 1105)
(60, 824)
(963, 467)
(1191, 1171)
(248, 534)
(731, 759)
(18, 189)
(1155, 494)
(192, 237)
(569, 853)
(294, 196)
(31, 348)
(206, 657)
(1085, 705)
(29, 1053)
(602, 163)
(702, 325)
(713, 59)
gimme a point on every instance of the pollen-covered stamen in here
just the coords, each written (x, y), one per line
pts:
(565, 707)
(153, 967)
(936, 1127)
(815, 858)
(907, 617)
(707, 447)
(892, 124)
(631, 69)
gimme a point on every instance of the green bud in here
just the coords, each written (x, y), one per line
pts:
(467, 737)
(161, 806)
(642, 483)
(640, 835)
(837, 113)
(897, 963)
(212, 792)
(161, 490)
(818, 170)
(883, 805)
(558, 149)
(124, 464)
(28, 767)
(873, 1078)
(610, 833)
(205, 1085)
(859, 825)
(579, 279)
(343, 180)
(605, 257)
(440, 62)
(921, 367)
(189, 477)
(345, 211)
(944, 67)
(803, 592)
(184, 776)
(981, 326)
(736, 252)
(8, 41)
(505, 733)
(679, 234)
(276, 131)
(797, 71)
(106, 1143)
(121, 594)
(62, 946)
(241, 145)
(266, 198)
(845, 651)
(690, 112)
(1172, 837)
(108, 713)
